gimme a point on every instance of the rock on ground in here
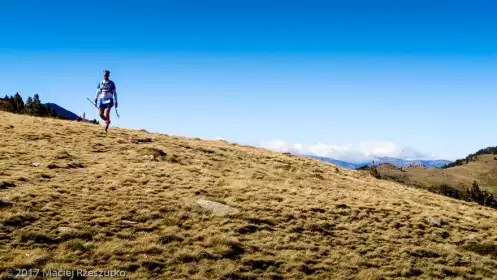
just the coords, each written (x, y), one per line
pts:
(434, 221)
(217, 207)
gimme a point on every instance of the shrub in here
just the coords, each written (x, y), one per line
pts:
(374, 171)
(482, 197)
(449, 191)
(474, 194)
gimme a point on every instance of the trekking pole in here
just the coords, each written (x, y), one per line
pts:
(117, 114)
(94, 104)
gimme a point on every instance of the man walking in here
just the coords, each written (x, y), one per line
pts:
(105, 98)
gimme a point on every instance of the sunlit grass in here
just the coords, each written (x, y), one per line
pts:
(126, 201)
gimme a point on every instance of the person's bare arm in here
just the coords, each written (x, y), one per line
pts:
(98, 93)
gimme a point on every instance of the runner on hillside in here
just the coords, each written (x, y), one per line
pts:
(105, 98)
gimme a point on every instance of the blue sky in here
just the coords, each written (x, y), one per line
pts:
(346, 79)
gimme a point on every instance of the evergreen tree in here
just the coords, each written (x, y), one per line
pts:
(47, 111)
(482, 197)
(37, 107)
(52, 113)
(44, 110)
(6, 105)
(13, 104)
(29, 106)
(19, 103)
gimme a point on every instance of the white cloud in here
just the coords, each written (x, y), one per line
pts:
(347, 152)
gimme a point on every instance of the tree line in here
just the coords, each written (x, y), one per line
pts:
(473, 157)
(474, 193)
(32, 106)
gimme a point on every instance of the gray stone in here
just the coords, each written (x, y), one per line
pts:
(434, 221)
(65, 229)
(36, 164)
(150, 157)
(128, 222)
(217, 208)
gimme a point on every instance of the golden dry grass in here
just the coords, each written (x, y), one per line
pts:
(483, 170)
(127, 201)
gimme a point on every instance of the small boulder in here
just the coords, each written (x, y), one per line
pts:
(217, 208)
(434, 221)
(65, 229)
(153, 153)
(36, 164)
(128, 222)
(150, 157)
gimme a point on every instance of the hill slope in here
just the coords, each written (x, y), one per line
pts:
(340, 163)
(402, 162)
(102, 202)
(62, 111)
(482, 168)
(379, 160)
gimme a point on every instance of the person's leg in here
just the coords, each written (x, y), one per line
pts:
(107, 118)
(101, 109)
(107, 114)
(101, 112)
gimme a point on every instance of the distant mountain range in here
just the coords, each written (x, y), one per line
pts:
(379, 160)
(62, 111)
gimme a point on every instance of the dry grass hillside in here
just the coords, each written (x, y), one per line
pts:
(483, 169)
(126, 201)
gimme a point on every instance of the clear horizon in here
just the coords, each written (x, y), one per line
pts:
(341, 80)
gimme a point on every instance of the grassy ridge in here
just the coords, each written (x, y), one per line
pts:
(127, 201)
(481, 168)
